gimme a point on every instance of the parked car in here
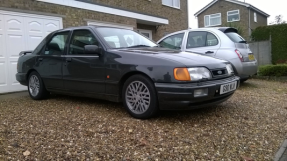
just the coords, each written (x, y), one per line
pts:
(121, 65)
(222, 42)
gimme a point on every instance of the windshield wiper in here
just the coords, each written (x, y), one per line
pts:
(136, 46)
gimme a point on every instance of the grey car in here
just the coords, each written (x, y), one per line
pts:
(121, 65)
(223, 42)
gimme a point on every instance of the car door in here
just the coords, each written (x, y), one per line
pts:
(49, 61)
(83, 72)
(202, 42)
(173, 41)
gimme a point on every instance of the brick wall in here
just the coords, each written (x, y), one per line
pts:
(261, 20)
(76, 17)
(223, 7)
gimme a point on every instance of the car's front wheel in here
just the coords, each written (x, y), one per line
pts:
(139, 97)
(36, 88)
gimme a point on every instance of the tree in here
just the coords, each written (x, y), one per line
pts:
(278, 20)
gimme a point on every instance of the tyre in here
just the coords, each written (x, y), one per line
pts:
(36, 87)
(139, 97)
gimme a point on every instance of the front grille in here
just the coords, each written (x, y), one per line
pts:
(219, 72)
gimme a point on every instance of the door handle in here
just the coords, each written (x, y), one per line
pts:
(40, 59)
(209, 52)
(68, 59)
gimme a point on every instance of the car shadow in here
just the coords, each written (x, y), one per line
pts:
(174, 115)
(247, 84)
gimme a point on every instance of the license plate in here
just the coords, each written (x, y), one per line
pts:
(251, 57)
(228, 87)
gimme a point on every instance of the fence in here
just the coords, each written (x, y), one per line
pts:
(262, 51)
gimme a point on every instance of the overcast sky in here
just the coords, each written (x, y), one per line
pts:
(273, 8)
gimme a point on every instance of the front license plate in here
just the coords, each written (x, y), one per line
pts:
(251, 57)
(228, 87)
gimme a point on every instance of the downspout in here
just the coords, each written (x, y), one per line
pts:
(249, 29)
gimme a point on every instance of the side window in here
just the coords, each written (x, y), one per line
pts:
(57, 44)
(211, 40)
(196, 39)
(79, 40)
(172, 42)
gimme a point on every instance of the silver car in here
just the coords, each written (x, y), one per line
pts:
(223, 42)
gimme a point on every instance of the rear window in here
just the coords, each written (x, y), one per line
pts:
(233, 36)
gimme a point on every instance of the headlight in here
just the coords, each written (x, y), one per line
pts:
(191, 74)
(229, 69)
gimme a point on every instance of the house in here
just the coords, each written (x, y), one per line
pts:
(222, 12)
(24, 23)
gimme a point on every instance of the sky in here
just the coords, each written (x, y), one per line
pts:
(273, 8)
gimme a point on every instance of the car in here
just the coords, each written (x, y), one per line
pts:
(220, 42)
(121, 65)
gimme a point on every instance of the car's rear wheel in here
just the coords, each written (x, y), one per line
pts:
(139, 97)
(36, 87)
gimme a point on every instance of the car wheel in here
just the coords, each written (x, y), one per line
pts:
(139, 97)
(36, 88)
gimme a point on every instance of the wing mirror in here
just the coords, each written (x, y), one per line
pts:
(92, 49)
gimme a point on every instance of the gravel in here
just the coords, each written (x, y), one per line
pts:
(249, 126)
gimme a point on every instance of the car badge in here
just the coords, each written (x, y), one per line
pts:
(219, 72)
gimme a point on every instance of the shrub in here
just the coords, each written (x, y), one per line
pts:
(273, 70)
(279, 38)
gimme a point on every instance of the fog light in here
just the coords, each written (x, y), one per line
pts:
(200, 92)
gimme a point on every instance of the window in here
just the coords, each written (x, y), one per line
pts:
(57, 44)
(79, 40)
(147, 33)
(233, 16)
(201, 39)
(255, 17)
(233, 36)
(172, 42)
(211, 40)
(171, 3)
(212, 20)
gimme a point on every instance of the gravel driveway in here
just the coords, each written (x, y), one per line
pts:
(251, 125)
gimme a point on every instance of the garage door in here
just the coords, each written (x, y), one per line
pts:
(18, 32)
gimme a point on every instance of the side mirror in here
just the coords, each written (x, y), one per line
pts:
(92, 49)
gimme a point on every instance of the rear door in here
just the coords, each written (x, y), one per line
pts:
(202, 42)
(84, 72)
(50, 61)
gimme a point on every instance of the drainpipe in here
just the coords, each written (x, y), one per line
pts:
(249, 29)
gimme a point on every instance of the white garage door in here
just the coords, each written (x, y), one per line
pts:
(18, 32)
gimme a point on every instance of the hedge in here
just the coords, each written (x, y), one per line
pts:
(273, 70)
(278, 40)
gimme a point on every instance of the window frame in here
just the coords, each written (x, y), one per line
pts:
(255, 17)
(206, 33)
(209, 20)
(173, 4)
(50, 38)
(233, 14)
(70, 40)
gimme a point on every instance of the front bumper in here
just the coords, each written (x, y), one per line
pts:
(21, 77)
(181, 96)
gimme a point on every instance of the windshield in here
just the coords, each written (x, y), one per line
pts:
(123, 38)
(235, 37)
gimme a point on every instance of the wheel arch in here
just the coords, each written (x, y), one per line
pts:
(127, 76)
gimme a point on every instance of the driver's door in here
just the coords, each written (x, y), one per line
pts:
(83, 72)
